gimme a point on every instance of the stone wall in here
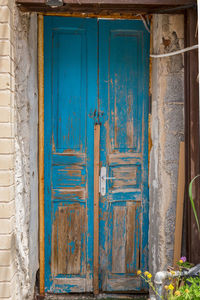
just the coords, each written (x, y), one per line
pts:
(167, 132)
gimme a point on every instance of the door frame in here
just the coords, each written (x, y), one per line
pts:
(41, 124)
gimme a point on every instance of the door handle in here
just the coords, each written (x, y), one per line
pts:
(102, 181)
(109, 178)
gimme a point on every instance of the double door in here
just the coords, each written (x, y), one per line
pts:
(95, 71)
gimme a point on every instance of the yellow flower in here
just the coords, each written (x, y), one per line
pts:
(166, 287)
(146, 273)
(139, 272)
(149, 275)
(181, 261)
(172, 272)
(171, 287)
(177, 293)
(187, 291)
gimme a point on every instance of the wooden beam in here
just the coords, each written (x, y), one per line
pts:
(179, 204)
(96, 208)
(192, 149)
(41, 147)
(122, 2)
(116, 11)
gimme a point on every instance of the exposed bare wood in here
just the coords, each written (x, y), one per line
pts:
(108, 7)
(126, 176)
(192, 158)
(119, 240)
(130, 238)
(116, 15)
(70, 228)
(179, 204)
(77, 285)
(61, 232)
(41, 147)
(150, 144)
(54, 254)
(124, 283)
(96, 208)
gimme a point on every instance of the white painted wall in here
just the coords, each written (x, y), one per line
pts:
(26, 146)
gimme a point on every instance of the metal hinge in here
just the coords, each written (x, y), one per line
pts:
(54, 3)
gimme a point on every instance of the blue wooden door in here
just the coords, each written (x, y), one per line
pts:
(70, 78)
(95, 71)
(123, 94)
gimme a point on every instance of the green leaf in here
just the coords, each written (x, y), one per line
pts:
(192, 201)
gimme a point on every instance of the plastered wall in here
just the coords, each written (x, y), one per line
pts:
(26, 152)
(167, 131)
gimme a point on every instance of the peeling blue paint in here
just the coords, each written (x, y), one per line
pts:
(70, 78)
(123, 92)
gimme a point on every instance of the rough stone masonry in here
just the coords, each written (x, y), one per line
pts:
(167, 132)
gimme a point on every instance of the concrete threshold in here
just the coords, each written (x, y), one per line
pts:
(99, 297)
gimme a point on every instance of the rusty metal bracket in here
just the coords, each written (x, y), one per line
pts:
(54, 3)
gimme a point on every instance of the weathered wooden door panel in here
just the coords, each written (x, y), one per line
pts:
(70, 64)
(71, 59)
(123, 94)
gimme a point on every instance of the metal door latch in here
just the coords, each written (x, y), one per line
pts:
(102, 181)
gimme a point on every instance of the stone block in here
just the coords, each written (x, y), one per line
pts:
(5, 81)
(5, 97)
(7, 272)
(6, 257)
(5, 64)
(6, 161)
(6, 178)
(175, 88)
(173, 115)
(5, 32)
(5, 2)
(6, 146)
(6, 130)
(5, 48)
(176, 24)
(7, 288)
(4, 14)
(6, 241)
(175, 64)
(6, 226)
(5, 115)
(171, 149)
(7, 210)
(7, 193)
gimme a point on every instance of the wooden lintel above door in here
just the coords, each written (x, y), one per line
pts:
(103, 6)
